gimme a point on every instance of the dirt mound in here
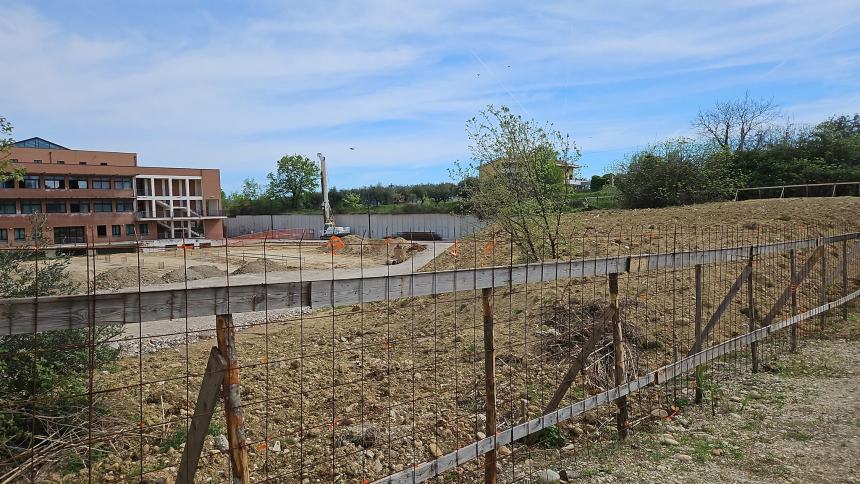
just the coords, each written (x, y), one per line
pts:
(192, 273)
(258, 266)
(120, 277)
(393, 250)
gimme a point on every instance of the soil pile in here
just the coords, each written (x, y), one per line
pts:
(393, 250)
(258, 266)
(192, 273)
(120, 277)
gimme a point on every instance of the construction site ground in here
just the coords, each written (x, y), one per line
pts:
(411, 369)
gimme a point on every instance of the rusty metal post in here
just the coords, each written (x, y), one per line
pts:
(845, 278)
(697, 346)
(226, 333)
(751, 309)
(793, 283)
(489, 381)
(618, 353)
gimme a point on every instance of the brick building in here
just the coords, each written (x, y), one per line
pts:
(105, 198)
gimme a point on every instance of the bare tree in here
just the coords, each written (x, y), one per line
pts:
(738, 124)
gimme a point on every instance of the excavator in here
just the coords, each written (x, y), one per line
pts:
(329, 228)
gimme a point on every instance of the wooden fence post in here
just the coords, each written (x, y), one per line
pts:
(793, 283)
(822, 294)
(226, 333)
(618, 353)
(205, 406)
(698, 328)
(489, 381)
(751, 308)
(845, 278)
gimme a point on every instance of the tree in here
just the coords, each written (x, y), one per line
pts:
(676, 172)
(295, 175)
(352, 200)
(520, 187)
(6, 143)
(733, 125)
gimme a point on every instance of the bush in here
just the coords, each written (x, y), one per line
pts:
(676, 172)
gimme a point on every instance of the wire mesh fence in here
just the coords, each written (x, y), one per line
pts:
(388, 359)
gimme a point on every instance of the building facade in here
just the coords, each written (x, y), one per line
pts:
(105, 198)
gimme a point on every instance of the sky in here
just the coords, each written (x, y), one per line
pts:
(384, 88)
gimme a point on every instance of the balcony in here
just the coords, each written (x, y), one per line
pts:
(178, 214)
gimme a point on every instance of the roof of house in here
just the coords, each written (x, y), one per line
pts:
(39, 143)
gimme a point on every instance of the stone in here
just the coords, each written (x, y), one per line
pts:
(754, 395)
(684, 458)
(435, 450)
(368, 436)
(668, 440)
(481, 435)
(276, 446)
(659, 413)
(503, 451)
(221, 443)
(717, 452)
(545, 476)
(736, 399)
(569, 449)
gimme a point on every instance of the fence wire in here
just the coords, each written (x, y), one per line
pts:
(366, 372)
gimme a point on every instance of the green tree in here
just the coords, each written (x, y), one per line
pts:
(295, 175)
(520, 187)
(6, 142)
(352, 200)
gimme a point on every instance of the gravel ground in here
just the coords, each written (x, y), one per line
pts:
(797, 422)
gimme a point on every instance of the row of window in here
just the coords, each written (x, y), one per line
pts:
(57, 182)
(61, 162)
(20, 234)
(61, 206)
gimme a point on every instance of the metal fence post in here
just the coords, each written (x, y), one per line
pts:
(845, 278)
(822, 294)
(751, 307)
(489, 381)
(698, 328)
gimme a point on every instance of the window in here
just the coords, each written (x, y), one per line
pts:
(77, 183)
(101, 183)
(20, 234)
(55, 182)
(38, 162)
(61, 162)
(10, 183)
(124, 206)
(101, 230)
(103, 164)
(7, 207)
(82, 162)
(30, 181)
(79, 207)
(69, 235)
(103, 206)
(129, 229)
(122, 183)
(55, 207)
(4, 235)
(144, 229)
(116, 230)
(31, 206)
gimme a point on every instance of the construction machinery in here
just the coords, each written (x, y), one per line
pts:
(329, 228)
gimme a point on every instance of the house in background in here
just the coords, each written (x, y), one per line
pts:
(568, 170)
(106, 198)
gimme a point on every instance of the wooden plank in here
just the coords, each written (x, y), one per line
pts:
(785, 296)
(226, 334)
(203, 409)
(724, 305)
(489, 382)
(17, 316)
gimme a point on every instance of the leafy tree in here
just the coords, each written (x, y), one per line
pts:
(598, 182)
(294, 176)
(6, 143)
(520, 186)
(352, 200)
(51, 367)
(676, 172)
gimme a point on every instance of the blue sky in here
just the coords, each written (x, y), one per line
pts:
(236, 85)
